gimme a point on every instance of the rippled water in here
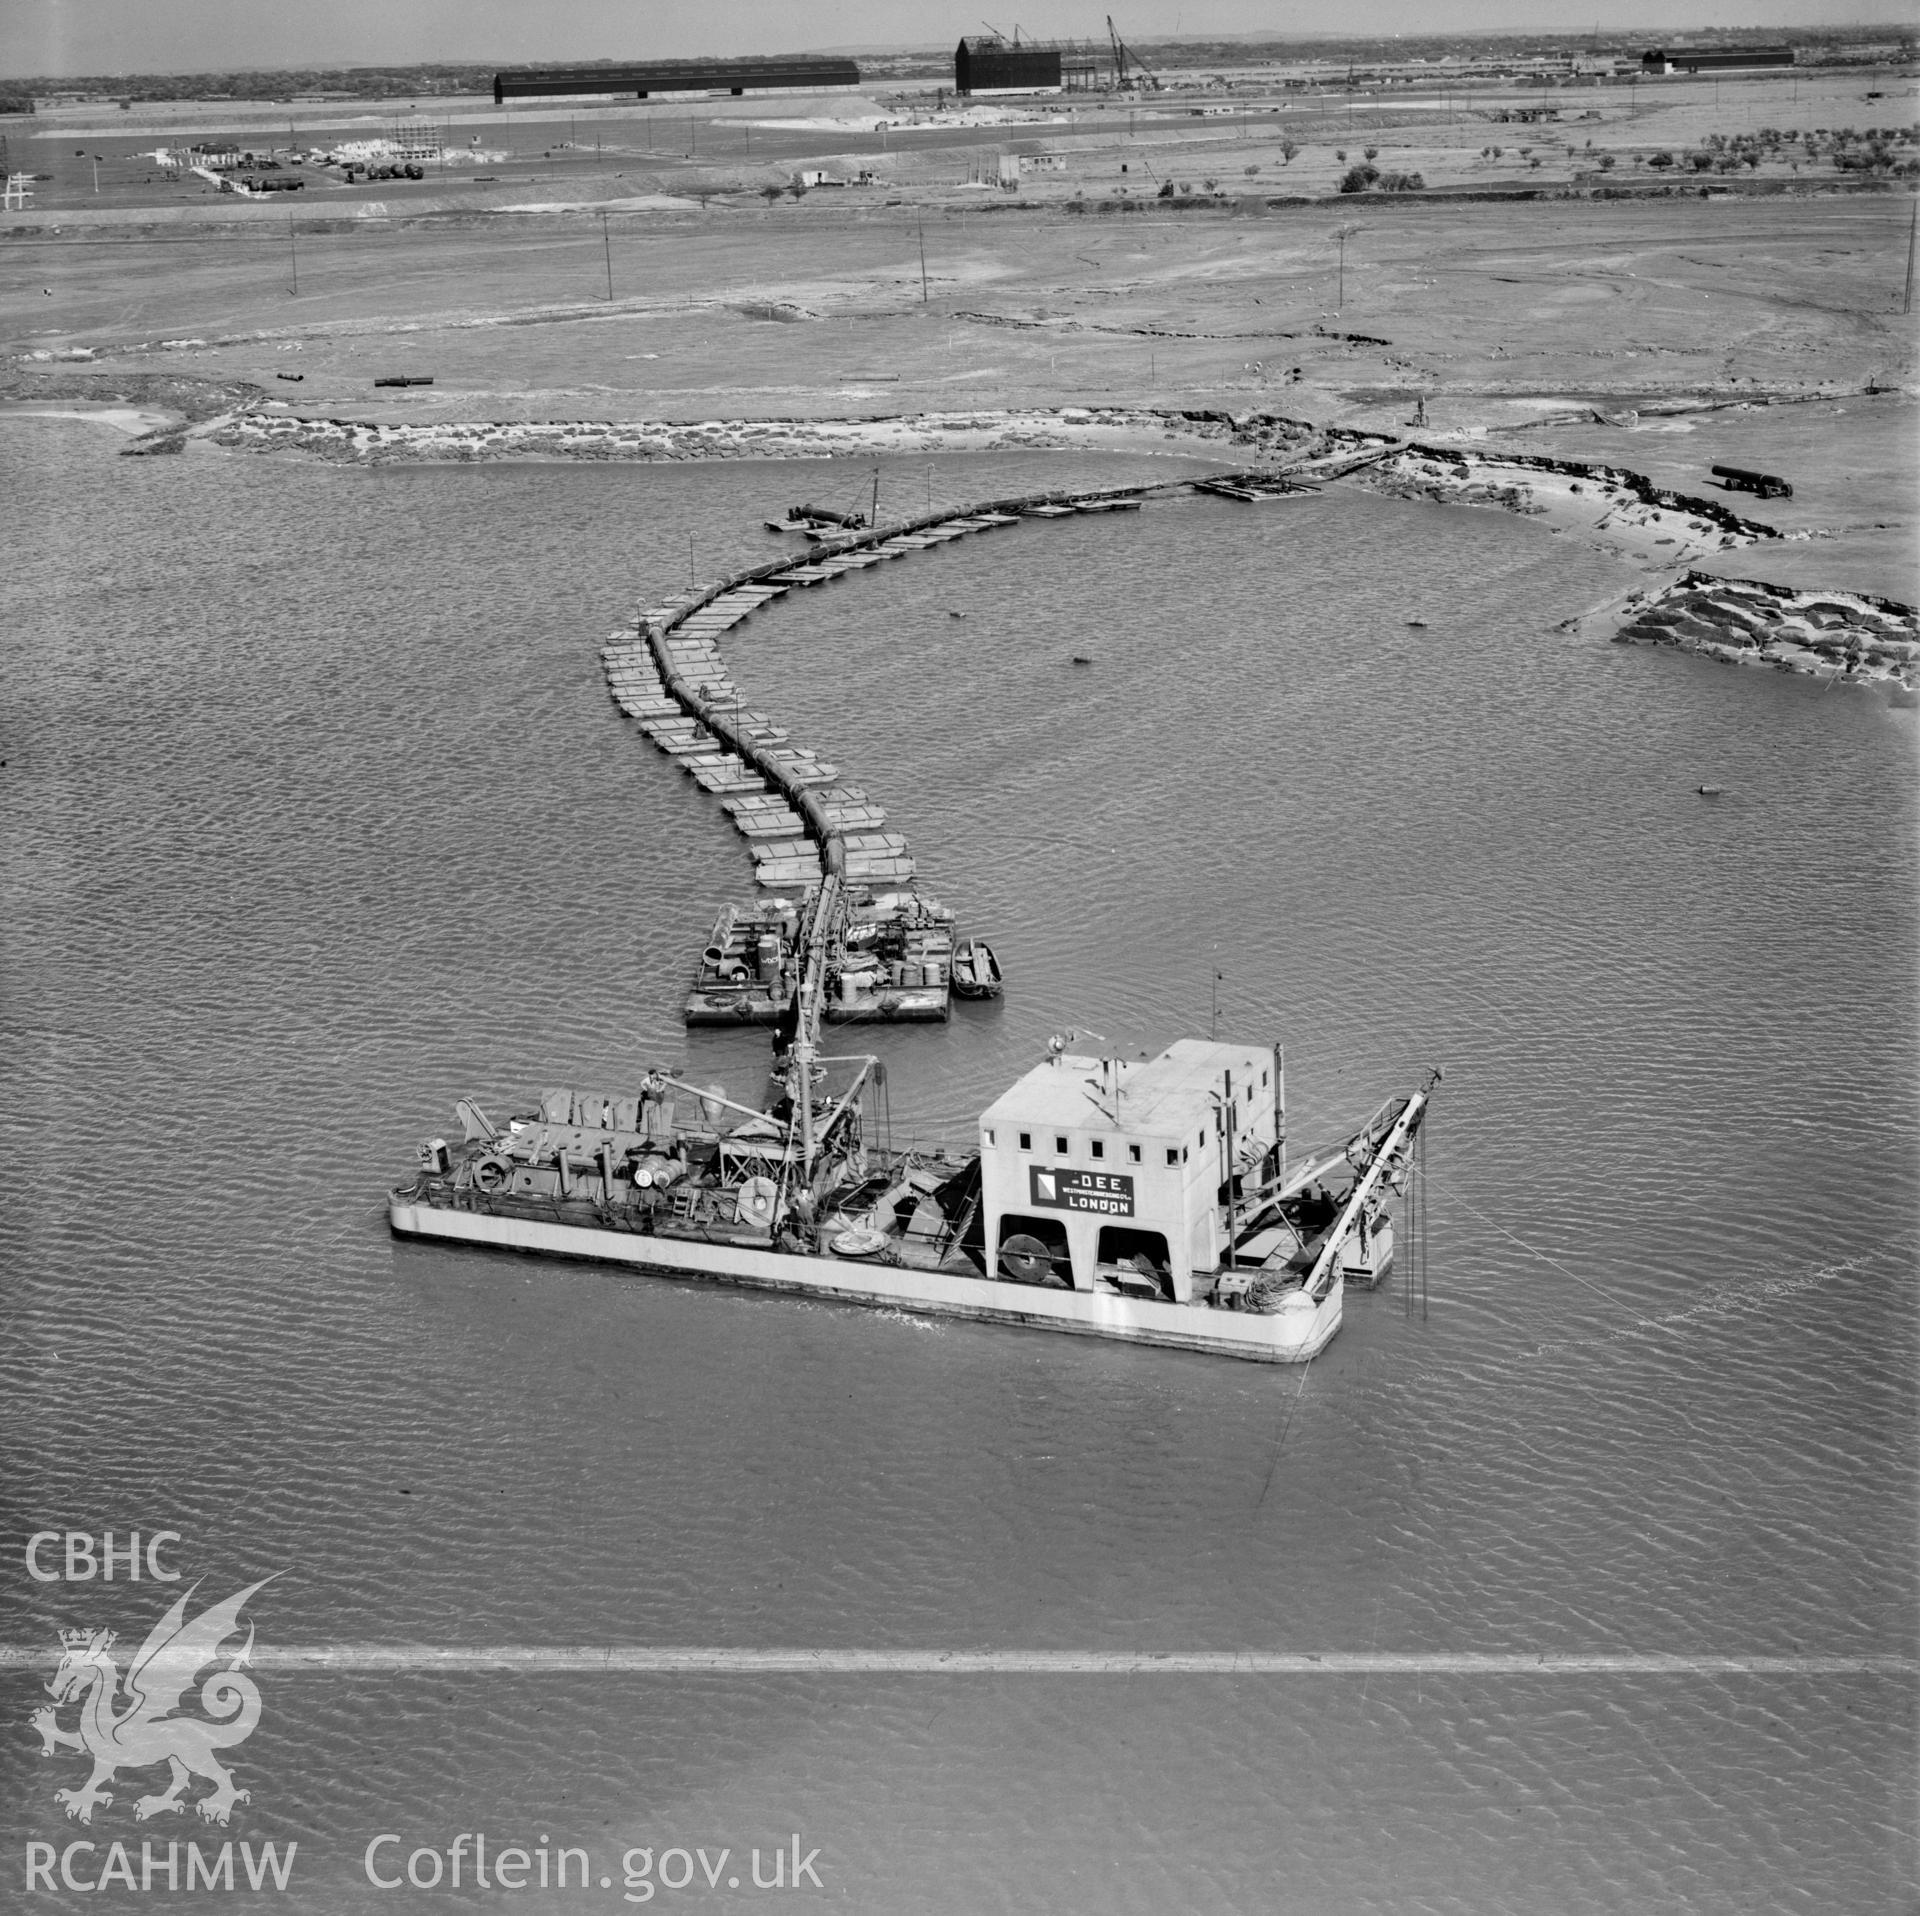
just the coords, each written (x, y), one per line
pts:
(318, 817)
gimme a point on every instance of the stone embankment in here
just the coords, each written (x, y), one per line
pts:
(1844, 635)
(264, 429)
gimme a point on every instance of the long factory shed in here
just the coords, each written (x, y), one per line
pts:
(675, 76)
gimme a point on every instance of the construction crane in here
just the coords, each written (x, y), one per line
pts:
(1141, 79)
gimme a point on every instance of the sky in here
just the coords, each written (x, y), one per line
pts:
(157, 36)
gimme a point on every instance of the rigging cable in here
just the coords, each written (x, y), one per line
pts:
(1535, 1251)
(1279, 1443)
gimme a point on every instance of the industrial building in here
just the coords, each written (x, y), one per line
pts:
(651, 77)
(989, 64)
(1713, 59)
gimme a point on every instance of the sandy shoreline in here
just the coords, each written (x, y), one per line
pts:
(1828, 634)
(1825, 633)
(1616, 507)
(1822, 633)
(136, 422)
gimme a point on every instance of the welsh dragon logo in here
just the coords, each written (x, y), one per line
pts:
(133, 1723)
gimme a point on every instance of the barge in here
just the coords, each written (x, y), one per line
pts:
(889, 959)
(1153, 1200)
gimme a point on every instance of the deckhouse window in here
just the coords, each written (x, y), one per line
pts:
(1026, 1140)
(1099, 1149)
(1133, 1154)
(1060, 1148)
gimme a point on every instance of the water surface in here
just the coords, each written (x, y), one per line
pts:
(319, 817)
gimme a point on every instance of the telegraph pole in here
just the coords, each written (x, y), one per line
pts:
(607, 241)
(1913, 228)
(921, 221)
(293, 252)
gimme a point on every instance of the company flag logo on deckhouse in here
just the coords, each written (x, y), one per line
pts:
(135, 1720)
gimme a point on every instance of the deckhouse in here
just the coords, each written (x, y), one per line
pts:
(1097, 1162)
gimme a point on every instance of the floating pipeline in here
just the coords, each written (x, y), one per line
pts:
(781, 771)
(796, 776)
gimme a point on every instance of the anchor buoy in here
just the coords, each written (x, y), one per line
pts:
(756, 1202)
(491, 1173)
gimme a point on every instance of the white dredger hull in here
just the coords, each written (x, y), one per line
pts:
(1297, 1332)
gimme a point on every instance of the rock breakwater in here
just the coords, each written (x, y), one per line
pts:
(1847, 635)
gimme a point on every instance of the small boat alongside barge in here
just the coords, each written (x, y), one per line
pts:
(976, 971)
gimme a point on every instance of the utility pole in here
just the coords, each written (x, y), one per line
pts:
(293, 252)
(922, 224)
(1913, 229)
(606, 240)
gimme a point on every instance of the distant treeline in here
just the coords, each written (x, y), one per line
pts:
(1402, 49)
(351, 83)
(1817, 45)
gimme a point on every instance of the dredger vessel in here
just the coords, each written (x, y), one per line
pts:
(1150, 1200)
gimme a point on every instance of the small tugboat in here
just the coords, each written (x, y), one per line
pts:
(1150, 1200)
(976, 971)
